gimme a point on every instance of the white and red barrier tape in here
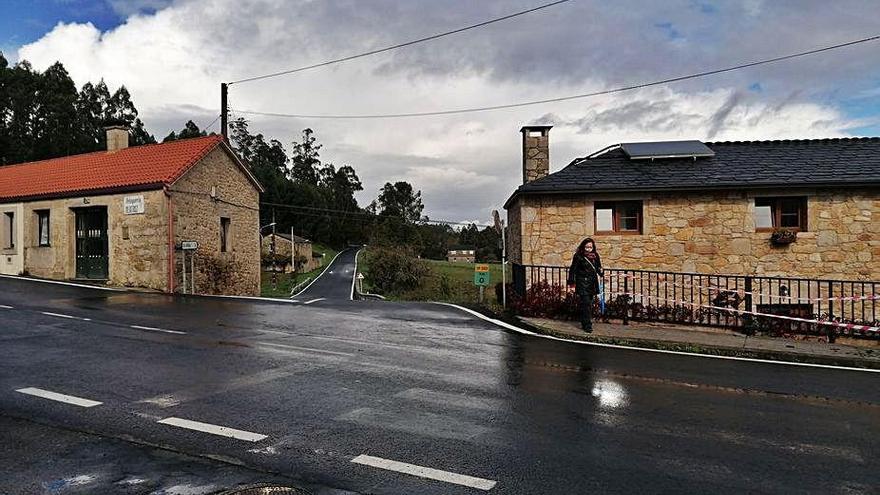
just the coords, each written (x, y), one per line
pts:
(849, 326)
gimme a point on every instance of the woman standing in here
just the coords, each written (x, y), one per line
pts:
(584, 274)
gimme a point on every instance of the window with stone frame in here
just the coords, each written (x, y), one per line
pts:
(224, 234)
(618, 217)
(785, 212)
(42, 228)
(9, 230)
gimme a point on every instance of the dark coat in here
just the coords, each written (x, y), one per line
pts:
(583, 276)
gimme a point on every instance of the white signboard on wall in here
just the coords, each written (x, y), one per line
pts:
(133, 205)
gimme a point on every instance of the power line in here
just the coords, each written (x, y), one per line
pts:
(363, 213)
(566, 98)
(401, 45)
(212, 122)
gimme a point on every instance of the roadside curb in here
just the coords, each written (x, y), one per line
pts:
(708, 350)
(516, 324)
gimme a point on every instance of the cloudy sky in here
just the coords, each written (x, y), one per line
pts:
(173, 54)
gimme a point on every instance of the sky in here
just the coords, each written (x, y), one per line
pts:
(172, 55)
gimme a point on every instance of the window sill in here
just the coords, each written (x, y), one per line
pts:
(622, 232)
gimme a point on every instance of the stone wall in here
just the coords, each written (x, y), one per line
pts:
(514, 232)
(709, 233)
(12, 259)
(137, 244)
(283, 248)
(197, 218)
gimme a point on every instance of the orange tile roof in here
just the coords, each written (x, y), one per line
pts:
(138, 167)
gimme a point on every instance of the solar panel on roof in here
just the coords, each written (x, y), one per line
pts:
(666, 149)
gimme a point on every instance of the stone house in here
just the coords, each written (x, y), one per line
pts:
(285, 247)
(461, 255)
(119, 217)
(688, 206)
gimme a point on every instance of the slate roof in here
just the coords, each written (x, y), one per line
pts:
(843, 162)
(136, 168)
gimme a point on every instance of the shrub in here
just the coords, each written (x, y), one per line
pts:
(214, 274)
(393, 271)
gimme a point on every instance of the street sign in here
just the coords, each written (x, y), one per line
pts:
(482, 278)
(133, 205)
(481, 268)
(189, 245)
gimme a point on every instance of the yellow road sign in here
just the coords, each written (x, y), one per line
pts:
(481, 268)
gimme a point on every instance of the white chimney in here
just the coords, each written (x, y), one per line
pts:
(117, 137)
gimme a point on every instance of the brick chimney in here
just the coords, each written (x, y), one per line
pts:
(536, 152)
(117, 137)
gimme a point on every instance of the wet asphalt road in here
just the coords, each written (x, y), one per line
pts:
(423, 384)
(336, 281)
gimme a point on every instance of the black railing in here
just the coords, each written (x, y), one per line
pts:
(779, 305)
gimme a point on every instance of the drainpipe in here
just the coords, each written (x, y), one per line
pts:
(170, 241)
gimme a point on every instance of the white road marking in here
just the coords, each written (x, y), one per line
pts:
(68, 399)
(425, 472)
(306, 349)
(315, 300)
(659, 351)
(3, 306)
(354, 277)
(319, 275)
(59, 315)
(57, 282)
(294, 300)
(154, 329)
(213, 429)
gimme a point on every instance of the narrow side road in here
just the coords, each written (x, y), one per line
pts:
(335, 282)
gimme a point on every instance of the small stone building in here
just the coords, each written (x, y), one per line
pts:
(289, 248)
(461, 255)
(705, 207)
(121, 217)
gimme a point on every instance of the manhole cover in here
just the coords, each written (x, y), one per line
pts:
(267, 490)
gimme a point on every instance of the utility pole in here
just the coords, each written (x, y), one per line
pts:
(272, 249)
(224, 111)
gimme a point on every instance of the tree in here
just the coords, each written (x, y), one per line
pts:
(400, 208)
(399, 200)
(305, 159)
(190, 130)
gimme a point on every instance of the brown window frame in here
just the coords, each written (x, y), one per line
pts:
(225, 227)
(40, 214)
(616, 207)
(775, 204)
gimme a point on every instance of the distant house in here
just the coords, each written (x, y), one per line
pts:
(726, 207)
(120, 216)
(460, 254)
(285, 244)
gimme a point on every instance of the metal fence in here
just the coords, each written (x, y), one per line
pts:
(749, 303)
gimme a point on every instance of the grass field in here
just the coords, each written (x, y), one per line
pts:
(445, 281)
(286, 281)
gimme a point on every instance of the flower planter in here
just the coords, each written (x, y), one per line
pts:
(783, 237)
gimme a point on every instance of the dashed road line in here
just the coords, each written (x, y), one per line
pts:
(425, 472)
(68, 399)
(3, 306)
(154, 329)
(315, 300)
(305, 349)
(213, 429)
(69, 317)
